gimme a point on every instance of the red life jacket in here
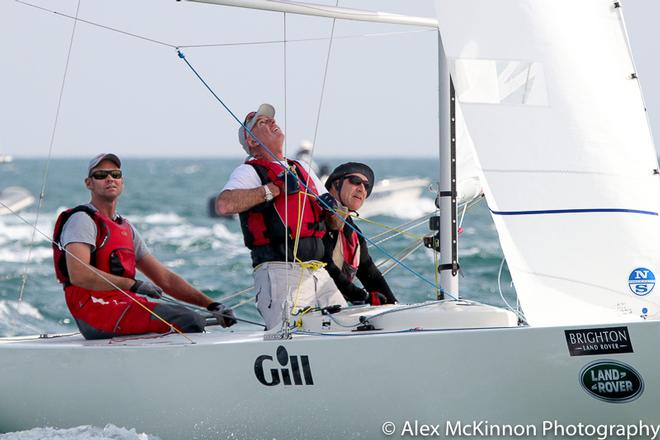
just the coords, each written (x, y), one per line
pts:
(114, 252)
(264, 224)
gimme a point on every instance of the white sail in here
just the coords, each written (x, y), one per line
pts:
(549, 93)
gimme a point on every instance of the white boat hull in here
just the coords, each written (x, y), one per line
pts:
(349, 384)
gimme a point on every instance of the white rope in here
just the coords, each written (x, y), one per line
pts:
(517, 312)
(318, 117)
(42, 193)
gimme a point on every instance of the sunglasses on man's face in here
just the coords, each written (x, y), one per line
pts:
(103, 174)
(355, 180)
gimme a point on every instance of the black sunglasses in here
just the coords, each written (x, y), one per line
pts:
(103, 174)
(355, 180)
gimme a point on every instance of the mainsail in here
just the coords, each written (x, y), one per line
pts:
(552, 101)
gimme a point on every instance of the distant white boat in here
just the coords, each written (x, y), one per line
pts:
(388, 194)
(5, 158)
(14, 198)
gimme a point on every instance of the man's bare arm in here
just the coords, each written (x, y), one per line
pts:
(171, 283)
(239, 200)
(82, 274)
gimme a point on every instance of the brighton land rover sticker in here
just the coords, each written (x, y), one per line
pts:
(598, 341)
(611, 381)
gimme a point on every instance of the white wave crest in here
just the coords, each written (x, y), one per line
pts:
(159, 218)
(22, 308)
(16, 254)
(23, 232)
(85, 432)
(222, 232)
(186, 236)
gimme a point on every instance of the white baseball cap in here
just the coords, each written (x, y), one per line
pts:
(250, 120)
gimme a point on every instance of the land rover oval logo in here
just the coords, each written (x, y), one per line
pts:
(612, 381)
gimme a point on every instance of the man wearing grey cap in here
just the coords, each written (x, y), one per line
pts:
(96, 254)
(283, 224)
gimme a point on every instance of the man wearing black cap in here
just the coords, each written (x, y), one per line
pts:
(283, 225)
(345, 250)
(96, 256)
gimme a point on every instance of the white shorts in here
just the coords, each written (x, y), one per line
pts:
(306, 288)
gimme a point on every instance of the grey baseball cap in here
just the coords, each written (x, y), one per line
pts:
(100, 158)
(250, 120)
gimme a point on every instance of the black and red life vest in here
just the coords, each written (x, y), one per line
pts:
(346, 254)
(264, 224)
(114, 252)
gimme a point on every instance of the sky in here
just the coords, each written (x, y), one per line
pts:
(136, 97)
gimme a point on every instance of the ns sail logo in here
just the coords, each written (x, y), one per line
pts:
(285, 369)
(641, 281)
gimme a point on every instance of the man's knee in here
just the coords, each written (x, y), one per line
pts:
(182, 318)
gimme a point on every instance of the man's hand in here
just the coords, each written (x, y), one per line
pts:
(292, 184)
(376, 299)
(147, 289)
(222, 313)
(328, 202)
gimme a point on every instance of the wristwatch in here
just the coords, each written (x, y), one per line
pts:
(269, 195)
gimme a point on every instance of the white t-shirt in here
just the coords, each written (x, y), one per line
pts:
(246, 177)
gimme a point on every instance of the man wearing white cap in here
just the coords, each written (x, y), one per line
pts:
(283, 224)
(96, 254)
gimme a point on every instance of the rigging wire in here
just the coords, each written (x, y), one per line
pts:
(318, 120)
(208, 45)
(286, 175)
(516, 311)
(91, 23)
(42, 193)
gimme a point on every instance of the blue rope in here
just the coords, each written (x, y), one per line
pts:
(295, 176)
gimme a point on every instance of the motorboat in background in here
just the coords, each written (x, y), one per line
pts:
(388, 194)
(14, 198)
(5, 158)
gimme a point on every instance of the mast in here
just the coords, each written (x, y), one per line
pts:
(447, 193)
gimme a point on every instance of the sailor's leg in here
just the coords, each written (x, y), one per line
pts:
(185, 320)
(279, 285)
(104, 314)
(327, 293)
(266, 305)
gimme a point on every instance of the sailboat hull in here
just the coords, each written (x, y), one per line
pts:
(238, 385)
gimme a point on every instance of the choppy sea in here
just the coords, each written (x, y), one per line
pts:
(167, 200)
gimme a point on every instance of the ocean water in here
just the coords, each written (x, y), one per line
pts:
(167, 200)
